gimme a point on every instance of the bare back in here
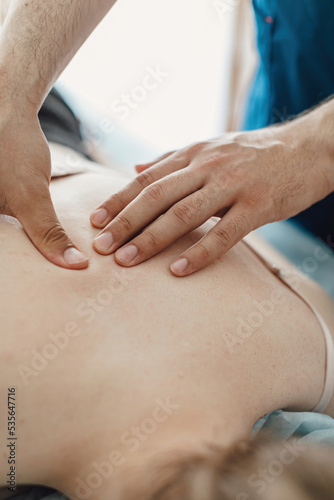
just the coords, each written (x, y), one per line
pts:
(114, 337)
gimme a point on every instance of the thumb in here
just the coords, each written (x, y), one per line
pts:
(41, 224)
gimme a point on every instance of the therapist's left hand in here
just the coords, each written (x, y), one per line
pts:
(247, 179)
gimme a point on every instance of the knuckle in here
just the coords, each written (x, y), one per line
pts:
(182, 213)
(195, 148)
(151, 240)
(203, 253)
(199, 201)
(114, 201)
(170, 153)
(154, 192)
(53, 236)
(165, 156)
(123, 223)
(235, 228)
(223, 236)
(242, 222)
(145, 179)
(183, 157)
(210, 163)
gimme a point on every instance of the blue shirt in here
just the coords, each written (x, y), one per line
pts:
(296, 72)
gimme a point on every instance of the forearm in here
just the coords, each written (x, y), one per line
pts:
(313, 132)
(38, 40)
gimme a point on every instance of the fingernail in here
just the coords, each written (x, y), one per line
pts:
(99, 216)
(179, 266)
(73, 256)
(127, 254)
(104, 241)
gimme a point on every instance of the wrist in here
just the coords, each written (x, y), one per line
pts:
(311, 137)
(17, 96)
(323, 127)
(21, 83)
(15, 109)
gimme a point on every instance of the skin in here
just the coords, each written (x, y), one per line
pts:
(155, 338)
(247, 179)
(224, 176)
(37, 41)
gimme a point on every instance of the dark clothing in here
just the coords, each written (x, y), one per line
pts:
(296, 72)
(59, 123)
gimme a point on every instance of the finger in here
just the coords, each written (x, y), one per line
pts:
(150, 204)
(117, 202)
(41, 224)
(140, 167)
(188, 214)
(234, 226)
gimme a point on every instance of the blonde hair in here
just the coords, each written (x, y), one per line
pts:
(4, 6)
(256, 469)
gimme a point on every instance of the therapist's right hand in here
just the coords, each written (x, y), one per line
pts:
(25, 174)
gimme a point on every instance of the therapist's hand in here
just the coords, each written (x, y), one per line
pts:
(247, 179)
(25, 172)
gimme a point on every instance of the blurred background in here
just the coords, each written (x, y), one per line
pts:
(155, 76)
(159, 71)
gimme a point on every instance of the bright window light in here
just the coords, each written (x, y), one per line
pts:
(161, 68)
